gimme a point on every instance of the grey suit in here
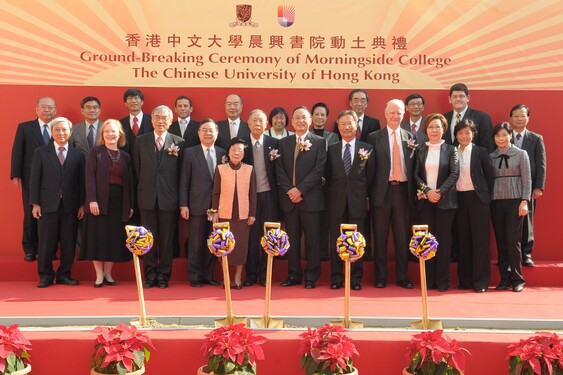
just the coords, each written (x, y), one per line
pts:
(79, 137)
(157, 192)
(196, 188)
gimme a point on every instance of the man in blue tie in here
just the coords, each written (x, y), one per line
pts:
(29, 136)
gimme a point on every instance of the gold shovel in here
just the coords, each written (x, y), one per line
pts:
(266, 321)
(425, 323)
(230, 319)
(347, 322)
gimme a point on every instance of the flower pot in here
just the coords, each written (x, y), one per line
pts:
(138, 372)
(25, 370)
(354, 372)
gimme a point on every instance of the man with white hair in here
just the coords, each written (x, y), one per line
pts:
(392, 193)
(57, 197)
(157, 157)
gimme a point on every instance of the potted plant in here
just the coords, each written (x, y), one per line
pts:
(14, 351)
(541, 355)
(232, 349)
(120, 350)
(432, 352)
(327, 350)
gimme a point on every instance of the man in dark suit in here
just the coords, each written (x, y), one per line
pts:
(349, 173)
(300, 171)
(29, 136)
(57, 198)
(157, 160)
(392, 193)
(196, 188)
(459, 99)
(86, 133)
(533, 144)
(136, 123)
(261, 154)
(359, 101)
(415, 107)
(185, 127)
(233, 126)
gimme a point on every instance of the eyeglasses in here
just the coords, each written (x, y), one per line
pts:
(416, 104)
(207, 130)
(434, 127)
(159, 117)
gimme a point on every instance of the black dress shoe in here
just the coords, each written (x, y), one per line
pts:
(211, 282)
(405, 284)
(309, 285)
(30, 257)
(502, 286)
(44, 283)
(480, 290)
(356, 286)
(195, 284)
(96, 285)
(248, 283)
(262, 283)
(68, 281)
(442, 289)
(380, 284)
(290, 282)
(335, 285)
(110, 283)
(528, 262)
(162, 282)
(238, 286)
(150, 282)
(518, 288)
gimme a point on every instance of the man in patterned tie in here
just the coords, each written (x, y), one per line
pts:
(86, 133)
(29, 136)
(459, 100)
(232, 126)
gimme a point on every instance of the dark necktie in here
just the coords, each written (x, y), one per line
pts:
(210, 164)
(413, 128)
(61, 155)
(519, 136)
(46, 136)
(257, 145)
(91, 136)
(347, 159)
(359, 130)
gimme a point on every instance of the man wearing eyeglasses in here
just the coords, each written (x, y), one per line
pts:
(157, 158)
(29, 136)
(415, 107)
(86, 133)
(359, 101)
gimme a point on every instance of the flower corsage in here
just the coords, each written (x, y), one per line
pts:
(305, 145)
(411, 143)
(421, 192)
(364, 154)
(173, 150)
(274, 154)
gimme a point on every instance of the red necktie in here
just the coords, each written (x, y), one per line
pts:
(135, 126)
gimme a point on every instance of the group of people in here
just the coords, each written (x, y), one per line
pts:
(454, 172)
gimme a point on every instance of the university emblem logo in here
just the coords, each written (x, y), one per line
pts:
(244, 14)
(286, 15)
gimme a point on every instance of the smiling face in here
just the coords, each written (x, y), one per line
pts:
(435, 130)
(359, 103)
(459, 100)
(91, 111)
(319, 117)
(61, 133)
(111, 135)
(347, 127)
(233, 106)
(161, 120)
(519, 119)
(207, 134)
(464, 137)
(134, 104)
(415, 107)
(279, 122)
(183, 108)
(236, 153)
(502, 138)
(301, 121)
(394, 113)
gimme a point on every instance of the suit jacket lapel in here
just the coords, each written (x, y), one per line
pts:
(54, 159)
(37, 132)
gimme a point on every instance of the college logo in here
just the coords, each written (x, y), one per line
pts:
(244, 16)
(286, 15)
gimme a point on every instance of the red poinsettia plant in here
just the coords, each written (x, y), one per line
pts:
(120, 349)
(233, 349)
(432, 352)
(540, 355)
(14, 349)
(327, 350)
